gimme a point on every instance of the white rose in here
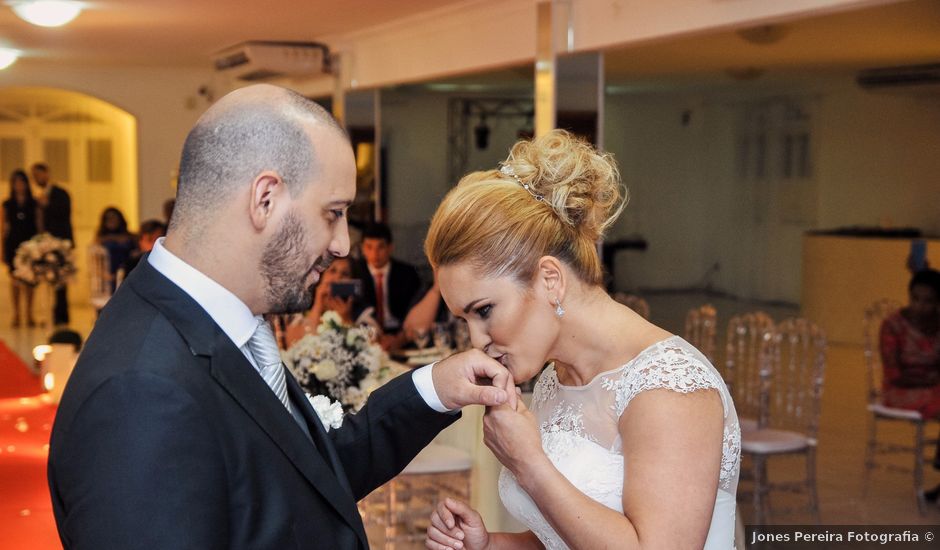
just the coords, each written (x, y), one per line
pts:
(325, 370)
(329, 317)
(330, 413)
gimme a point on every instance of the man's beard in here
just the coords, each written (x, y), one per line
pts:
(284, 270)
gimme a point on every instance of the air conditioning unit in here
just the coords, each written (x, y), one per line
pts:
(907, 79)
(260, 60)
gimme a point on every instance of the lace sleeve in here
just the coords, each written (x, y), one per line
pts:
(667, 366)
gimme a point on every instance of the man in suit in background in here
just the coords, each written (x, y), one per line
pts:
(180, 427)
(56, 207)
(389, 286)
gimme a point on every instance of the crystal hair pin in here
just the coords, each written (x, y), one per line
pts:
(507, 170)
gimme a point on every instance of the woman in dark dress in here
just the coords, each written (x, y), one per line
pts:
(119, 242)
(20, 222)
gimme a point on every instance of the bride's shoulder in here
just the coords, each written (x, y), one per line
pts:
(671, 364)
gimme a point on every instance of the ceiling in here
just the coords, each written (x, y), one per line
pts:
(902, 33)
(896, 34)
(186, 32)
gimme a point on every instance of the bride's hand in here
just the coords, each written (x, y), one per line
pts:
(512, 435)
(454, 525)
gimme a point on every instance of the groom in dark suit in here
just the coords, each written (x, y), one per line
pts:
(180, 428)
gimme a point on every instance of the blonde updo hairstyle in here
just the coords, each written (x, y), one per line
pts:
(492, 221)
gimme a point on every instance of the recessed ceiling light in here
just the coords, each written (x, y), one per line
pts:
(47, 13)
(7, 57)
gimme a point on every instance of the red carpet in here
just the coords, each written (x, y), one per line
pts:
(16, 380)
(26, 520)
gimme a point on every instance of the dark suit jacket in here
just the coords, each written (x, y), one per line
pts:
(404, 285)
(57, 215)
(167, 437)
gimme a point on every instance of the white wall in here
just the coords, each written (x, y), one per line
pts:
(661, 163)
(601, 24)
(163, 99)
(876, 162)
(882, 160)
(414, 132)
(478, 35)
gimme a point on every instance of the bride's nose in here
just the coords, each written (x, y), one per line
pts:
(478, 338)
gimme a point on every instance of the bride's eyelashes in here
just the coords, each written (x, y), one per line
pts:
(484, 311)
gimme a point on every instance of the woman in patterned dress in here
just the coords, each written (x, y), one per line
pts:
(632, 440)
(910, 353)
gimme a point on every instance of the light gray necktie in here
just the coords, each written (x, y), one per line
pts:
(265, 351)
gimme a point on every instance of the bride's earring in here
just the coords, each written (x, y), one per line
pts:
(559, 311)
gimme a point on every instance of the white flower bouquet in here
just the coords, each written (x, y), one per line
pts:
(44, 258)
(339, 362)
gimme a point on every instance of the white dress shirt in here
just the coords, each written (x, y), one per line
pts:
(237, 321)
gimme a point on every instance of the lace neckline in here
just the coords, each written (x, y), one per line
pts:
(600, 375)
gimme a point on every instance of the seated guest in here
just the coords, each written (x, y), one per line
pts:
(296, 326)
(116, 239)
(150, 231)
(910, 353)
(389, 286)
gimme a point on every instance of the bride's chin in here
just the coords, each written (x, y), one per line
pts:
(522, 375)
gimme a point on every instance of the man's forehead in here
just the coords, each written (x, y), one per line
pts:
(334, 159)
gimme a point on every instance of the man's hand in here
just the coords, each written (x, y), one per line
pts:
(473, 378)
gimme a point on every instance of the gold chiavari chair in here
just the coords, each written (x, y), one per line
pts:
(749, 342)
(700, 325)
(789, 420)
(99, 277)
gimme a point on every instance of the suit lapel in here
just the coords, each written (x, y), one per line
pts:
(233, 371)
(317, 431)
(238, 377)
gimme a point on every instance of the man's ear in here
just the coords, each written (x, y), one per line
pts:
(267, 190)
(551, 277)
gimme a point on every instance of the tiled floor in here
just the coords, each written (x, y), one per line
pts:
(889, 499)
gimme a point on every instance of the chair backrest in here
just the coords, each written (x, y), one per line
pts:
(875, 315)
(748, 350)
(700, 325)
(634, 302)
(99, 275)
(796, 375)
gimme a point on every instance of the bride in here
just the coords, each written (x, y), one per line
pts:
(632, 440)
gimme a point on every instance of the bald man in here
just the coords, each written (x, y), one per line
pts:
(179, 427)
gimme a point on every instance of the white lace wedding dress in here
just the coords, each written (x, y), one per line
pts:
(580, 435)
